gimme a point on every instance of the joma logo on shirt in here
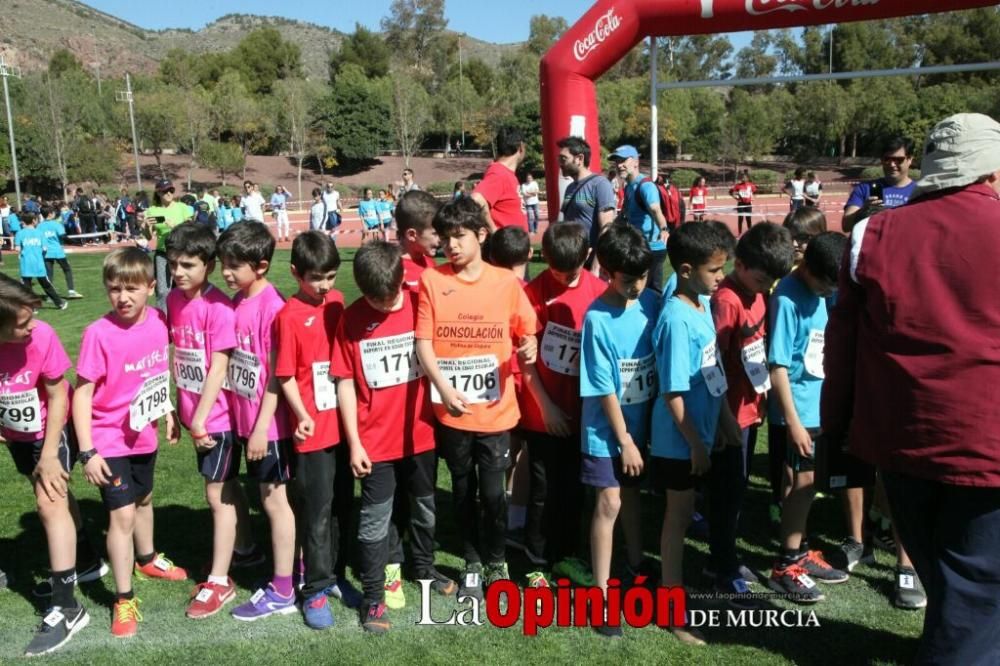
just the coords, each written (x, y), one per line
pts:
(148, 361)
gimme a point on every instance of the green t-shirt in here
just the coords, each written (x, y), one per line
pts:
(213, 203)
(174, 214)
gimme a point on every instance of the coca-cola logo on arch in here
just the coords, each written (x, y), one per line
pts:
(603, 27)
(762, 7)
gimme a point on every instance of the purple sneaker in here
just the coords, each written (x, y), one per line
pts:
(265, 602)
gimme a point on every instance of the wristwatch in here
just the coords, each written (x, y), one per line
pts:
(83, 457)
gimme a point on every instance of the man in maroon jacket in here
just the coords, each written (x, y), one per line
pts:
(912, 362)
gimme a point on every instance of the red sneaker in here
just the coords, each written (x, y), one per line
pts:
(125, 618)
(208, 599)
(161, 568)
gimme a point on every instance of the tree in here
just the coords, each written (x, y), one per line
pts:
(194, 118)
(62, 61)
(411, 113)
(296, 101)
(479, 74)
(355, 115)
(264, 57)
(543, 32)
(156, 120)
(222, 157)
(363, 48)
(239, 115)
(411, 29)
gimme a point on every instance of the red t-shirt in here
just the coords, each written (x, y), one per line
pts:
(740, 324)
(377, 351)
(413, 268)
(500, 188)
(743, 192)
(304, 334)
(560, 311)
(699, 197)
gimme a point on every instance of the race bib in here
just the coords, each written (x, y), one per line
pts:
(715, 378)
(697, 200)
(390, 361)
(814, 354)
(324, 389)
(244, 374)
(151, 402)
(755, 365)
(190, 369)
(21, 412)
(638, 377)
(475, 377)
(561, 349)
(745, 194)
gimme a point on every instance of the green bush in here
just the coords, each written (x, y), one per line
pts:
(441, 187)
(767, 181)
(874, 172)
(683, 179)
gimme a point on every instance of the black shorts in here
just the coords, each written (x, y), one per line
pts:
(27, 454)
(131, 480)
(670, 474)
(797, 462)
(464, 449)
(601, 472)
(275, 466)
(837, 468)
(744, 210)
(222, 461)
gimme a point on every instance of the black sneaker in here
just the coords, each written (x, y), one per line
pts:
(909, 593)
(851, 554)
(793, 581)
(376, 619)
(440, 583)
(58, 626)
(247, 560)
(648, 568)
(819, 569)
(608, 631)
(471, 584)
(884, 538)
(92, 572)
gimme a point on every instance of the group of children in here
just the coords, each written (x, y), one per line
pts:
(606, 381)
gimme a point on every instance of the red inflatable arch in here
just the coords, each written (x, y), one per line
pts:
(606, 33)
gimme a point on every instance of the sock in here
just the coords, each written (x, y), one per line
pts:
(125, 596)
(143, 560)
(516, 516)
(282, 585)
(62, 588)
(789, 556)
(219, 580)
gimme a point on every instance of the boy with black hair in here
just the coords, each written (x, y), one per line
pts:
(691, 386)
(201, 323)
(375, 362)
(510, 248)
(617, 383)
(30, 243)
(798, 317)
(54, 232)
(498, 193)
(468, 313)
(260, 414)
(739, 311)
(550, 409)
(415, 213)
(304, 328)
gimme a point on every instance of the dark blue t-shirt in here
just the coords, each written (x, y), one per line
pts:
(892, 197)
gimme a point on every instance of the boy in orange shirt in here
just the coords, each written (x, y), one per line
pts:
(467, 315)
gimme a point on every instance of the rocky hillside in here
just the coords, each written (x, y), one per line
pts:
(31, 30)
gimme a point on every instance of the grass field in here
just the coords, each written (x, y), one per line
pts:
(857, 621)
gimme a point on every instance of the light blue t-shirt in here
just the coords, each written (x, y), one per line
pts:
(368, 210)
(685, 343)
(53, 230)
(278, 201)
(385, 208)
(670, 287)
(797, 325)
(15, 223)
(616, 356)
(636, 212)
(224, 217)
(237, 214)
(31, 242)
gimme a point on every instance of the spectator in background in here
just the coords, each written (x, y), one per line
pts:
(529, 194)
(643, 210)
(317, 212)
(459, 190)
(408, 184)
(699, 198)
(893, 189)
(743, 192)
(590, 199)
(331, 202)
(618, 187)
(279, 210)
(812, 190)
(252, 202)
(83, 206)
(498, 192)
(795, 189)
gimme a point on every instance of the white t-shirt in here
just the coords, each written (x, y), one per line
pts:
(317, 215)
(798, 187)
(813, 189)
(253, 206)
(331, 200)
(529, 192)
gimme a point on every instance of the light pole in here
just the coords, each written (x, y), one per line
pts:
(97, 66)
(126, 96)
(7, 71)
(461, 93)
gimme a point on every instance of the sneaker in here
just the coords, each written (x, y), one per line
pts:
(819, 569)
(125, 617)
(247, 560)
(72, 293)
(161, 568)
(376, 620)
(394, 597)
(59, 625)
(576, 570)
(736, 594)
(62, 306)
(747, 574)
(909, 593)
(265, 602)
(496, 571)
(440, 583)
(648, 568)
(793, 581)
(851, 554)
(208, 599)
(347, 593)
(3, 581)
(95, 571)
(316, 610)
(471, 584)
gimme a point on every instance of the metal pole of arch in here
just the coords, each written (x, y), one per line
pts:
(654, 122)
(126, 96)
(7, 71)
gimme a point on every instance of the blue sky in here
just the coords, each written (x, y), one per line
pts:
(500, 22)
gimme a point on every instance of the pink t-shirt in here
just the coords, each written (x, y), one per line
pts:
(130, 369)
(200, 327)
(249, 365)
(23, 367)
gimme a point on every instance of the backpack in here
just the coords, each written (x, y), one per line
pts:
(86, 205)
(671, 203)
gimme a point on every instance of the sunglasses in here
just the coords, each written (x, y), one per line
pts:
(894, 160)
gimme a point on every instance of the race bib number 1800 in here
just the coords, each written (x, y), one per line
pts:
(21, 412)
(151, 402)
(390, 361)
(190, 369)
(475, 377)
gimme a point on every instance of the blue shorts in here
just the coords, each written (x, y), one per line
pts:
(275, 466)
(27, 454)
(601, 472)
(131, 480)
(370, 224)
(222, 461)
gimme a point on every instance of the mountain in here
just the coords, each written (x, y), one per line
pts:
(32, 30)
